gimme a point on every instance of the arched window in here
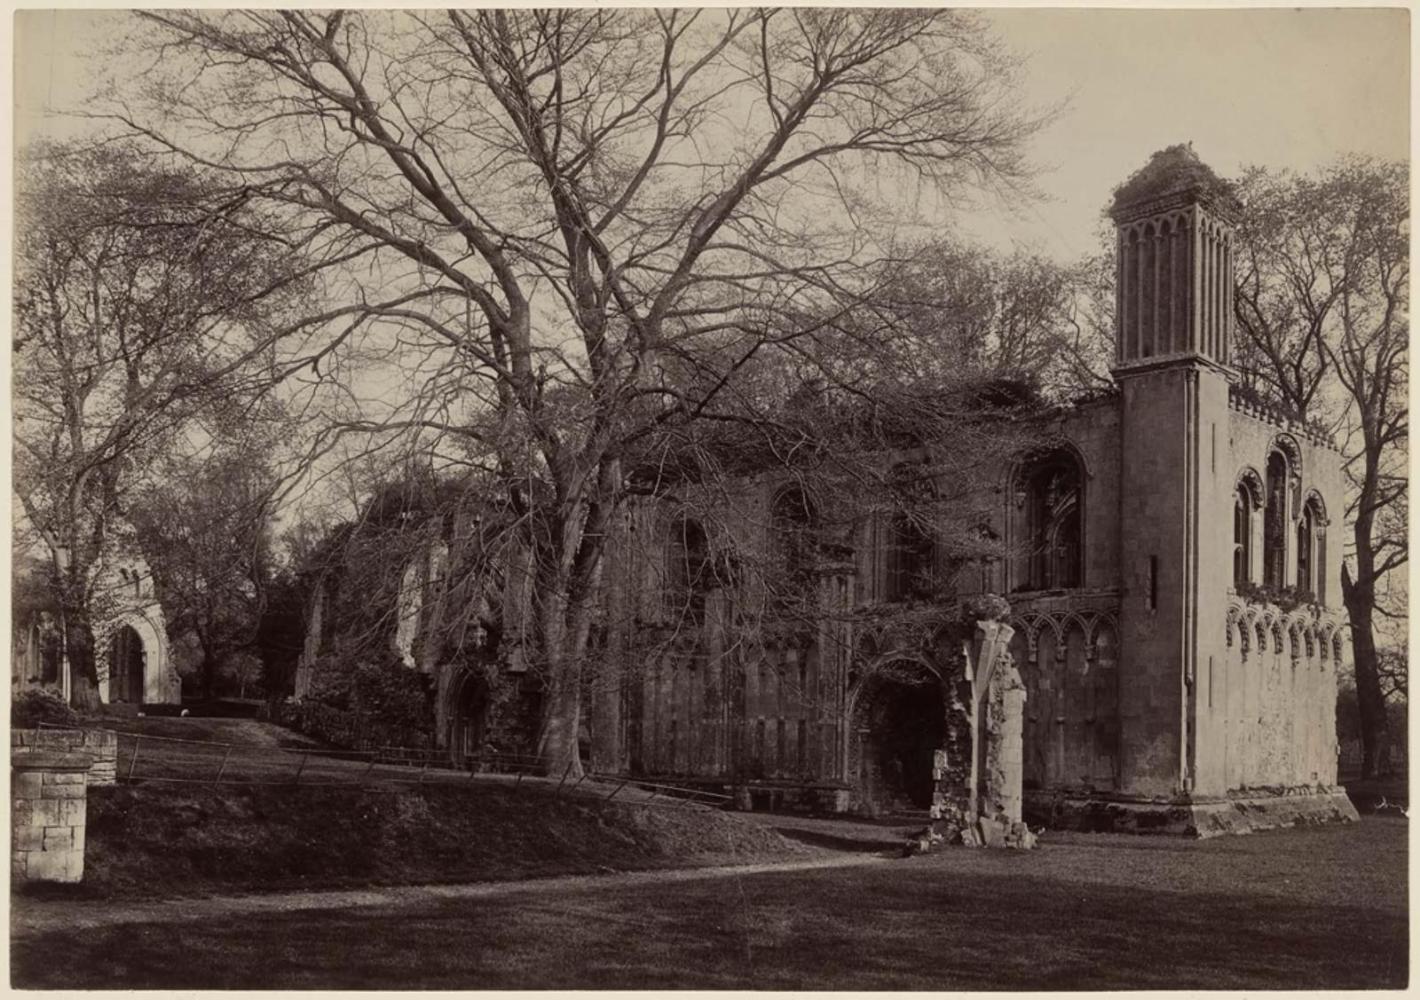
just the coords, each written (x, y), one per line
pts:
(1244, 510)
(1054, 520)
(794, 530)
(910, 553)
(1274, 524)
(688, 570)
(1311, 550)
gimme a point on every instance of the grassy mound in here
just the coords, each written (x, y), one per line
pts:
(162, 840)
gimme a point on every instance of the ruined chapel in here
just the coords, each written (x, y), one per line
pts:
(1174, 599)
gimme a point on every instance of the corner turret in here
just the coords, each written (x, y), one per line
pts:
(1174, 288)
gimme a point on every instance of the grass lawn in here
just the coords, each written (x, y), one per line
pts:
(154, 839)
(1309, 908)
(245, 731)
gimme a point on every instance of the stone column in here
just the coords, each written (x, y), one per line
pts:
(47, 808)
(1004, 743)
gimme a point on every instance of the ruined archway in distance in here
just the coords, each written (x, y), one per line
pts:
(127, 658)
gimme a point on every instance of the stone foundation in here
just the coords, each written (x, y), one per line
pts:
(813, 799)
(1244, 812)
(47, 808)
(99, 744)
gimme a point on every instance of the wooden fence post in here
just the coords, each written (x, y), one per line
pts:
(133, 764)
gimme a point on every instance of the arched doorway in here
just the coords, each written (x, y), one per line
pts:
(127, 658)
(899, 721)
(468, 721)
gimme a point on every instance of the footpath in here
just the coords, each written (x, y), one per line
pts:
(30, 917)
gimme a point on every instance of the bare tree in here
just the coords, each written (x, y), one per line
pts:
(142, 298)
(1323, 315)
(562, 210)
(204, 524)
(968, 309)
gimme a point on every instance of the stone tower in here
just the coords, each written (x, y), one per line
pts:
(1173, 325)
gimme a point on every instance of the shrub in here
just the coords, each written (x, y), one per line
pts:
(391, 693)
(360, 699)
(30, 708)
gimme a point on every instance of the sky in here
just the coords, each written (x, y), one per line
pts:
(1280, 88)
(1275, 87)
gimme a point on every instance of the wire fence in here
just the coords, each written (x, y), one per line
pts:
(147, 757)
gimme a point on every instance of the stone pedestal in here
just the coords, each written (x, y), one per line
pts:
(47, 806)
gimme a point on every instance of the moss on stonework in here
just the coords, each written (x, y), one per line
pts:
(1171, 171)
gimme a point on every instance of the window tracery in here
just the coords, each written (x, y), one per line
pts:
(1054, 521)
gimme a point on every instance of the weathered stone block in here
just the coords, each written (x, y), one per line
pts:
(71, 812)
(46, 812)
(58, 838)
(58, 778)
(27, 838)
(27, 784)
(55, 866)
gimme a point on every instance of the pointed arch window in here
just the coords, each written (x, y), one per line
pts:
(794, 530)
(688, 570)
(910, 562)
(1054, 508)
(1311, 550)
(1245, 505)
(1274, 523)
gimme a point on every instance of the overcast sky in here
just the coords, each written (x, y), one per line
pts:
(1279, 88)
(1276, 87)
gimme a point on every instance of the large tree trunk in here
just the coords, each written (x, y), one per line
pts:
(562, 708)
(83, 663)
(569, 582)
(1360, 602)
(561, 721)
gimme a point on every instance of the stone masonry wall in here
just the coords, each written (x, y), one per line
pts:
(47, 811)
(100, 744)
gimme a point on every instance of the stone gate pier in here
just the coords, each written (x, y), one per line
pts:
(48, 798)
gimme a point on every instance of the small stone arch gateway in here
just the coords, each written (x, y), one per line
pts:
(128, 661)
(898, 722)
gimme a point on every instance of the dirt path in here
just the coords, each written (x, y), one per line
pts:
(30, 917)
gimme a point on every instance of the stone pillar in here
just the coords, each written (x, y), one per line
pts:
(980, 772)
(1004, 743)
(47, 807)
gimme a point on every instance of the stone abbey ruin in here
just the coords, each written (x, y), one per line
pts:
(1167, 609)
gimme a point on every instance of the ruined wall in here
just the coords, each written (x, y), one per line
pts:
(1066, 648)
(1252, 435)
(716, 687)
(1266, 695)
(1277, 697)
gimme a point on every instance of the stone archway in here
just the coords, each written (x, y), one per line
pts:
(897, 722)
(468, 715)
(127, 662)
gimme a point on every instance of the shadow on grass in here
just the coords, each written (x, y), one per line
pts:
(911, 925)
(885, 844)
